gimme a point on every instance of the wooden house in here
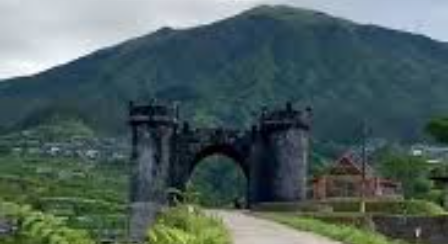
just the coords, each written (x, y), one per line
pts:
(344, 179)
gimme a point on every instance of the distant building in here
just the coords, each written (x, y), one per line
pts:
(91, 154)
(54, 150)
(88, 149)
(344, 179)
(432, 153)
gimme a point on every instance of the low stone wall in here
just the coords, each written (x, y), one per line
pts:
(430, 230)
(413, 229)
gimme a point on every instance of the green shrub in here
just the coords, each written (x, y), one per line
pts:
(39, 228)
(394, 207)
(187, 224)
(388, 207)
(80, 205)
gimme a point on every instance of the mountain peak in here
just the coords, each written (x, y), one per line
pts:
(278, 9)
(284, 12)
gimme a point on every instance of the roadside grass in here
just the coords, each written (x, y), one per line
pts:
(349, 207)
(412, 207)
(187, 224)
(343, 233)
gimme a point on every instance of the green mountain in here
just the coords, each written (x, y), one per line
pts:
(224, 72)
(55, 129)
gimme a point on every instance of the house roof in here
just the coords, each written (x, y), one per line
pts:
(350, 163)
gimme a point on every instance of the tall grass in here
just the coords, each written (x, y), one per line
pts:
(187, 224)
(342, 233)
(392, 206)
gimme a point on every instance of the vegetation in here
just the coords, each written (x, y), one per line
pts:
(345, 234)
(350, 207)
(411, 171)
(219, 182)
(187, 224)
(34, 227)
(438, 129)
(32, 179)
(89, 195)
(440, 171)
(307, 57)
(387, 207)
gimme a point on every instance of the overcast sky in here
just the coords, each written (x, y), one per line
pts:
(38, 34)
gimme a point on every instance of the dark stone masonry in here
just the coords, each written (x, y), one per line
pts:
(273, 154)
(429, 230)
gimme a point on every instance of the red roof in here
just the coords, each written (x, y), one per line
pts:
(349, 164)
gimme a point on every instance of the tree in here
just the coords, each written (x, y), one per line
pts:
(411, 171)
(438, 129)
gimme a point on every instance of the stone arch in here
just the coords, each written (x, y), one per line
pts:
(229, 151)
(273, 155)
(226, 150)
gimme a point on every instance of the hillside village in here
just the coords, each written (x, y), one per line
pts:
(103, 149)
(70, 139)
(28, 142)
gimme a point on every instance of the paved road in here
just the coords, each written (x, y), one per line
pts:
(251, 230)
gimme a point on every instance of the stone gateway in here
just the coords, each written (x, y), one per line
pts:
(273, 154)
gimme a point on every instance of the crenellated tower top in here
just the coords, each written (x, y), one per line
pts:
(155, 113)
(285, 118)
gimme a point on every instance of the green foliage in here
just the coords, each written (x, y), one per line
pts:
(342, 233)
(438, 129)
(351, 206)
(412, 172)
(186, 224)
(188, 196)
(224, 72)
(52, 129)
(393, 207)
(32, 179)
(219, 181)
(80, 206)
(89, 195)
(39, 228)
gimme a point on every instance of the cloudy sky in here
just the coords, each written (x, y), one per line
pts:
(38, 34)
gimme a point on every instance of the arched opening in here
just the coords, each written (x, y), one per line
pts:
(219, 178)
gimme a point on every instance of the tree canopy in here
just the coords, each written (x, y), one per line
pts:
(438, 129)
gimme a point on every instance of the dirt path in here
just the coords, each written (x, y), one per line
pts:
(251, 230)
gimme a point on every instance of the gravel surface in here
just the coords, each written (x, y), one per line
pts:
(247, 229)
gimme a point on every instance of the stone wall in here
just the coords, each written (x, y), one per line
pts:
(430, 230)
(413, 229)
(7, 227)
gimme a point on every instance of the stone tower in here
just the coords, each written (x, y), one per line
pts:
(280, 156)
(153, 127)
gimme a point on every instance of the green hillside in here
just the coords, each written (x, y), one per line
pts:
(224, 72)
(53, 130)
(89, 195)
